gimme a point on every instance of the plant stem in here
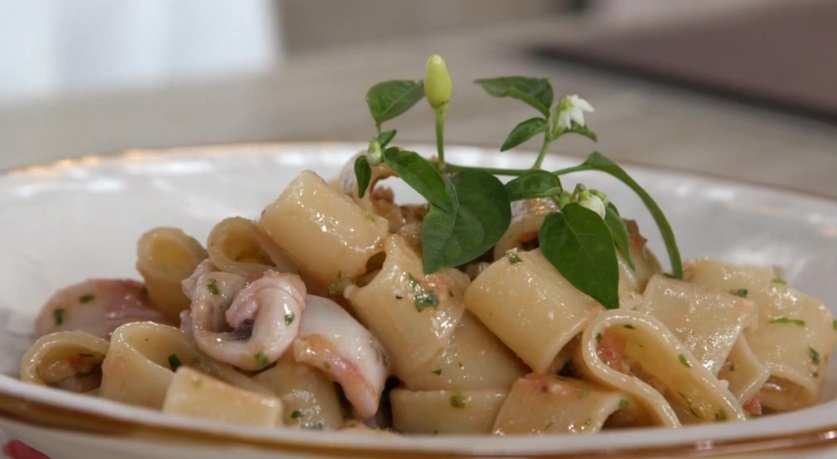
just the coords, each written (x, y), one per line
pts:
(440, 138)
(547, 139)
(490, 170)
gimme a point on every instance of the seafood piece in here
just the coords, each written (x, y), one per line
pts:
(97, 307)
(259, 319)
(333, 341)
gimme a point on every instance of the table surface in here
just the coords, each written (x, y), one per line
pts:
(321, 97)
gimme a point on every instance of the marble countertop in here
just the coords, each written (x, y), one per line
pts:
(321, 97)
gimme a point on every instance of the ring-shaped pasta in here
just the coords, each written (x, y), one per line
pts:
(138, 366)
(66, 359)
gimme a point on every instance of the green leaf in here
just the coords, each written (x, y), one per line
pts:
(535, 183)
(480, 216)
(583, 130)
(524, 131)
(386, 137)
(619, 231)
(421, 175)
(389, 99)
(363, 174)
(597, 161)
(578, 243)
(536, 92)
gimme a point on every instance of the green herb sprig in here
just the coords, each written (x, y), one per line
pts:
(470, 208)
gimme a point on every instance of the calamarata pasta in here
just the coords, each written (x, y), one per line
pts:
(508, 307)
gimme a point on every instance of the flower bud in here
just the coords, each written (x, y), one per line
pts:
(437, 83)
(374, 154)
(592, 202)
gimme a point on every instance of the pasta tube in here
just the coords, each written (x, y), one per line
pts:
(530, 306)
(670, 383)
(541, 403)
(793, 337)
(323, 231)
(66, 359)
(473, 359)
(446, 411)
(198, 395)
(236, 245)
(165, 257)
(412, 314)
(138, 366)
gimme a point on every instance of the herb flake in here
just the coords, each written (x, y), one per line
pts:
(289, 318)
(86, 298)
(458, 400)
(261, 359)
(683, 361)
(212, 286)
(174, 362)
(787, 320)
(58, 316)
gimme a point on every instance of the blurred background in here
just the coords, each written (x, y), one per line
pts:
(743, 89)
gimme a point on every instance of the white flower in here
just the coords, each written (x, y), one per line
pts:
(593, 203)
(572, 108)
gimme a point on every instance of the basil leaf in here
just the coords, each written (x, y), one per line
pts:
(363, 174)
(597, 161)
(421, 175)
(536, 92)
(619, 231)
(533, 184)
(524, 131)
(386, 137)
(578, 243)
(388, 99)
(480, 216)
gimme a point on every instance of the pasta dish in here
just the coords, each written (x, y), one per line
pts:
(504, 307)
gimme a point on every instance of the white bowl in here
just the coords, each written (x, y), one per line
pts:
(74, 219)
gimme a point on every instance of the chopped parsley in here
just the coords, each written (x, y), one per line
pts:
(326, 364)
(689, 404)
(598, 337)
(731, 366)
(212, 286)
(779, 280)
(262, 360)
(629, 326)
(296, 414)
(422, 299)
(289, 318)
(458, 400)
(742, 292)
(340, 284)
(683, 361)
(461, 366)
(834, 324)
(720, 416)
(174, 362)
(437, 372)
(787, 320)
(514, 258)
(58, 316)
(86, 298)
(623, 404)
(815, 356)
